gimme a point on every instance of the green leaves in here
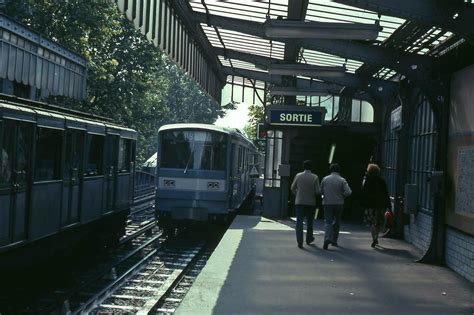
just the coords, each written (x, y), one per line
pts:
(129, 80)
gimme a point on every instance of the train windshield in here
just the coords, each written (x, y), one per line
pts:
(193, 150)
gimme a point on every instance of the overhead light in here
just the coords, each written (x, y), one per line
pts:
(292, 91)
(305, 70)
(414, 67)
(281, 28)
(331, 153)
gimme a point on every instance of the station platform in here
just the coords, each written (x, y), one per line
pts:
(257, 268)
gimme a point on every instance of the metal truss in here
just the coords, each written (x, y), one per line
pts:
(377, 87)
(278, 80)
(296, 11)
(454, 15)
(413, 66)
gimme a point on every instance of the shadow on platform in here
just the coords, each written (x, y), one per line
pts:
(258, 269)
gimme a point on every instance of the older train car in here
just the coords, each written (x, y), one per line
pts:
(64, 175)
(203, 173)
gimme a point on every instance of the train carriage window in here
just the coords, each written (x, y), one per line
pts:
(124, 155)
(133, 153)
(23, 151)
(95, 155)
(73, 160)
(6, 146)
(48, 154)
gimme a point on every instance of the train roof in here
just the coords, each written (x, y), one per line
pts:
(199, 126)
(53, 116)
(230, 131)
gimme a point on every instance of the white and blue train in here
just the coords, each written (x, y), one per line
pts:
(204, 173)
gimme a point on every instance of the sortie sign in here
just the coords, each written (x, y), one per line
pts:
(295, 115)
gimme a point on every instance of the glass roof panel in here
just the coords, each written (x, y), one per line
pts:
(239, 64)
(429, 40)
(328, 11)
(318, 10)
(322, 59)
(244, 9)
(246, 82)
(385, 73)
(245, 43)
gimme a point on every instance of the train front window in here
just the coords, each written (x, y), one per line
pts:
(193, 150)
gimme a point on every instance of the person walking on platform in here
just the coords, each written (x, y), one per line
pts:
(375, 199)
(306, 188)
(334, 189)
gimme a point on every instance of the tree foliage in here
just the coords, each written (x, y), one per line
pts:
(129, 80)
(256, 115)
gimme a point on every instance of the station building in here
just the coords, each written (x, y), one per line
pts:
(347, 81)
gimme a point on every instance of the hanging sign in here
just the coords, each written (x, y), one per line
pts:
(396, 119)
(281, 115)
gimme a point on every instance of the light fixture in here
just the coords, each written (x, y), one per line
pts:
(292, 91)
(455, 16)
(414, 67)
(331, 153)
(282, 28)
(305, 70)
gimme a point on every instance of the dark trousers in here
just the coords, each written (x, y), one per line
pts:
(332, 222)
(303, 211)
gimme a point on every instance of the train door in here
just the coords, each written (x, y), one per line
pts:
(16, 145)
(74, 149)
(111, 169)
(236, 174)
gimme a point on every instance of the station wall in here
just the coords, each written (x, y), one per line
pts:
(460, 204)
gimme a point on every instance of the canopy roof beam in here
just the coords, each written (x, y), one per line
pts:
(453, 15)
(296, 11)
(277, 80)
(410, 65)
(377, 87)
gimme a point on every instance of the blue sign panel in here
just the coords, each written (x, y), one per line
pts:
(396, 118)
(295, 116)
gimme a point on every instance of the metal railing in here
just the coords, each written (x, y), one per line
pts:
(144, 184)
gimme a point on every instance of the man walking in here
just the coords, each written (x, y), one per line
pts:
(334, 189)
(306, 188)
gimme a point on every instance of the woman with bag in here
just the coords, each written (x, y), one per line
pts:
(375, 199)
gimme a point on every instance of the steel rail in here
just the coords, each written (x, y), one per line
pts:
(100, 274)
(94, 301)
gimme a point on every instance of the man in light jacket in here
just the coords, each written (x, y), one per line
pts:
(306, 188)
(334, 189)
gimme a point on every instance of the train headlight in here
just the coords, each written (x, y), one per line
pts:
(169, 183)
(213, 185)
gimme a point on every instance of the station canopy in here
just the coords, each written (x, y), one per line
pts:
(237, 49)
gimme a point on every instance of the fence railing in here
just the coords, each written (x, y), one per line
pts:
(144, 184)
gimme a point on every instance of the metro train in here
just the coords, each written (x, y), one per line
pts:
(204, 173)
(64, 176)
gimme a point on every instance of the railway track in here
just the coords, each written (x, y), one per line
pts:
(148, 283)
(145, 274)
(141, 218)
(142, 236)
(170, 301)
